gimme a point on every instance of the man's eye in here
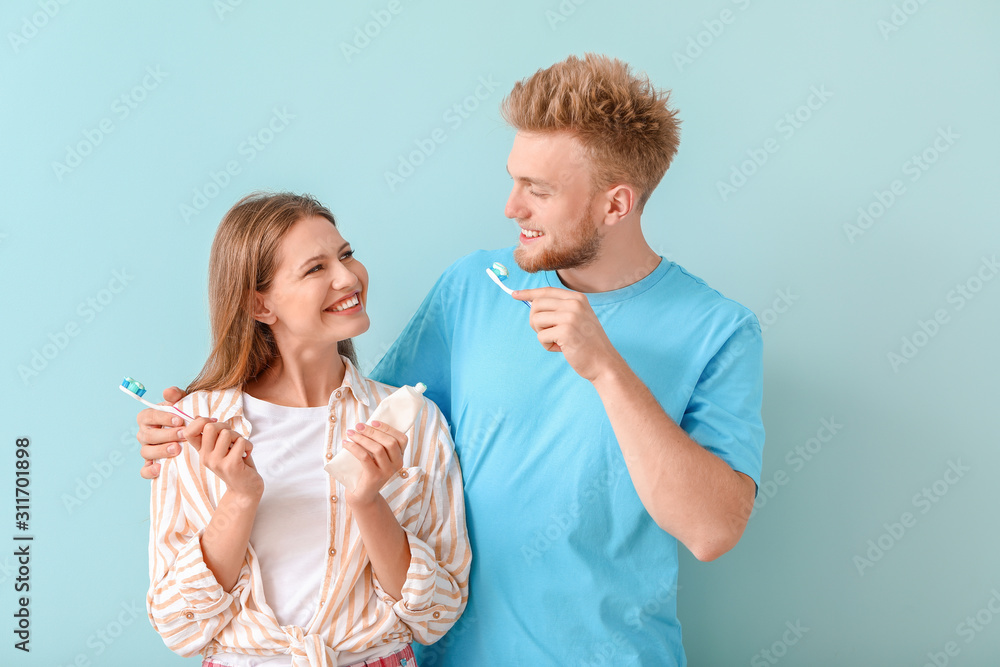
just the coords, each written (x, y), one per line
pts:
(536, 194)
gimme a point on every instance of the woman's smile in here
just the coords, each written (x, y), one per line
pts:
(349, 305)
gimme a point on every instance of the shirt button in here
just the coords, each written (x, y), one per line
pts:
(329, 456)
(333, 552)
(436, 614)
(189, 615)
(333, 499)
(333, 418)
(337, 394)
(404, 474)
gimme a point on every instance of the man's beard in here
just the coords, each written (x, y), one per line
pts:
(582, 248)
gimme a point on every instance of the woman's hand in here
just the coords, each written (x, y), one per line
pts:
(226, 453)
(379, 448)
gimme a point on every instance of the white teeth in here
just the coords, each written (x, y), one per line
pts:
(349, 303)
(531, 233)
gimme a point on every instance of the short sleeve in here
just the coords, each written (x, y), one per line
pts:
(724, 412)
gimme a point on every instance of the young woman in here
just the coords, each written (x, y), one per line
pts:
(258, 556)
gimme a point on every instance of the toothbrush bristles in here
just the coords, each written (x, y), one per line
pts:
(134, 386)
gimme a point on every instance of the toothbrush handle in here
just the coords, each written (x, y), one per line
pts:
(174, 410)
(496, 279)
(167, 408)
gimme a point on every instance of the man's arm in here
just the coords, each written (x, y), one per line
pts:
(160, 434)
(690, 492)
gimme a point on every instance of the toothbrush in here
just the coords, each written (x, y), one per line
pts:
(135, 389)
(498, 274)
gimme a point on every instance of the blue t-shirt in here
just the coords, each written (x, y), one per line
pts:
(568, 566)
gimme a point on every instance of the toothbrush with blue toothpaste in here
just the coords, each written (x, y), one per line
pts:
(498, 273)
(135, 389)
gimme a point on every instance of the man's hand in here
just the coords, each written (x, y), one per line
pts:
(566, 323)
(160, 434)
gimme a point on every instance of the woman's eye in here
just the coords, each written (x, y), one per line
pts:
(347, 255)
(318, 267)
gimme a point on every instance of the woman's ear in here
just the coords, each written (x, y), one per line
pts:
(261, 309)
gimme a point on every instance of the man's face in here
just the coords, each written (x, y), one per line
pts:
(553, 202)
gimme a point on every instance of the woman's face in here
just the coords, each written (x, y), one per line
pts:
(319, 292)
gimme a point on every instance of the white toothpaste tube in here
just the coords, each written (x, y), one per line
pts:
(399, 410)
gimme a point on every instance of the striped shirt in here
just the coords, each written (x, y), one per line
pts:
(192, 612)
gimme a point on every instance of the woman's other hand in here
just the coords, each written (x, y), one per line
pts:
(379, 447)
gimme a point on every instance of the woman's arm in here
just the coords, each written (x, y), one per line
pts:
(189, 541)
(224, 542)
(379, 448)
(434, 587)
(386, 543)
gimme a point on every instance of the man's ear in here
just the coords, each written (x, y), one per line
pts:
(619, 202)
(261, 309)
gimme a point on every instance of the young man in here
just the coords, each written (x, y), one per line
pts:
(619, 416)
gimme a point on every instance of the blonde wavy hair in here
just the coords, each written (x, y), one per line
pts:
(624, 123)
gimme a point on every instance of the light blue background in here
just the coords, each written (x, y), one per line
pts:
(780, 234)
